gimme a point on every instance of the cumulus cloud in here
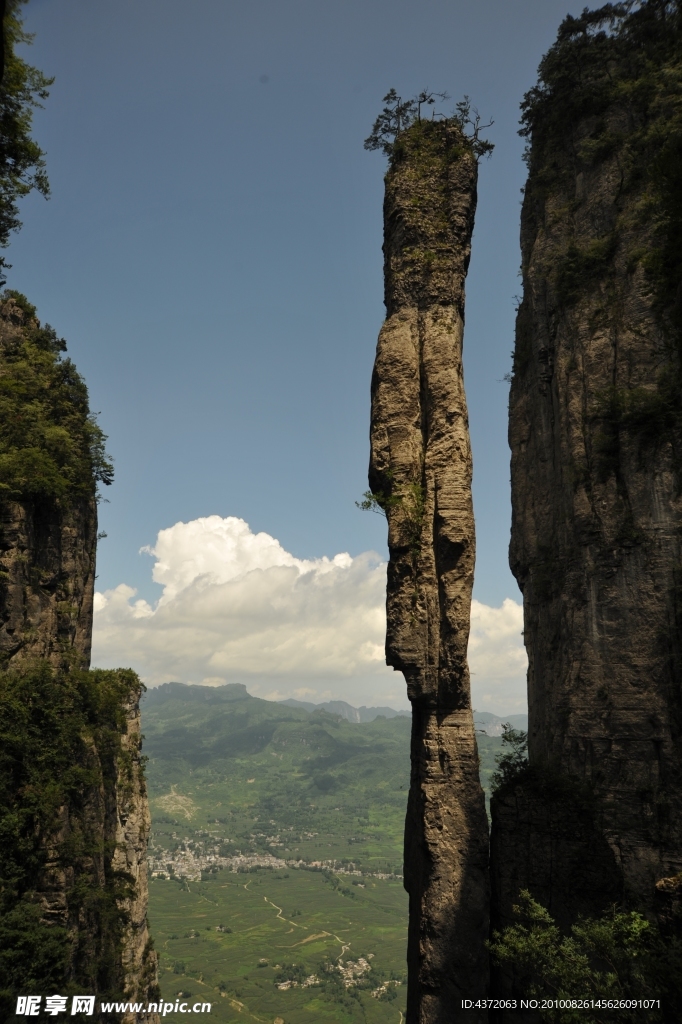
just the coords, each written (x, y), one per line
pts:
(497, 658)
(237, 607)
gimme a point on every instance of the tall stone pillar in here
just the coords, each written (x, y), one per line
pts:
(420, 472)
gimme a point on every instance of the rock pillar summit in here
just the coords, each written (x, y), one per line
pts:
(420, 474)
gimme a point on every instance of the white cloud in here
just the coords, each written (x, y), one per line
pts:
(237, 607)
(497, 658)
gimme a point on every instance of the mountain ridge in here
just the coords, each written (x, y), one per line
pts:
(346, 710)
(485, 721)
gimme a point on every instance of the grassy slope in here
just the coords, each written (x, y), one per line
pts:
(237, 774)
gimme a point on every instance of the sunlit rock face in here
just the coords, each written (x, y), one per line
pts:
(420, 472)
(594, 432)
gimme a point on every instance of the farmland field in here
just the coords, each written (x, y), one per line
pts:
(283, 926)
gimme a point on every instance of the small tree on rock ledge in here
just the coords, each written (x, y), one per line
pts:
(398, 115)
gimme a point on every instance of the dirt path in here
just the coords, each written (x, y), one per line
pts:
(343, 948)
(279, 913)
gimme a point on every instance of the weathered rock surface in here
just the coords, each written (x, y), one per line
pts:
(597, 510)
(133, 825)
(420, 472)
(107, 828)
(48, 556)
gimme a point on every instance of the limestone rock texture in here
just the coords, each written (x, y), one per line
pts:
(47, 556)
(594, 431)
(109, 826)
(420, 474)
(132, 821)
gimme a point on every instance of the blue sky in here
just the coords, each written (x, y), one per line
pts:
(212, 251)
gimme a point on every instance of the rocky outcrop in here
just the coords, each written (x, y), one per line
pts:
(48, 510)
(94, 881)
(86, 821)
(420, 475)
(139, 961)
(595, 435)
(47, 555)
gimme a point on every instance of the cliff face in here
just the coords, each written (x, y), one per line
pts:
(75, 823)
(48, 512)
(47, 556)
(139, 961)
(595, 433)
(73, 807)
(420, 473)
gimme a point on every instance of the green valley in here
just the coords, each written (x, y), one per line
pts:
(276, 855)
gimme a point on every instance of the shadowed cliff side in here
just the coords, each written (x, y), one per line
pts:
(420, 475)
(74, 818)
(596, 438)
(74, 822)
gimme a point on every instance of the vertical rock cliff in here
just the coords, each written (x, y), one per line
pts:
(74, 821)
(48, 514)
(74, 818)
(90, 873)
(132, 822)
(596, 437)
(47, 556)
(420, 474)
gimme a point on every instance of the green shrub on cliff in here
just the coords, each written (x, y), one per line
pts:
(609, 92)
(620, 956)
(541, 778)
(50, 443)
(398, 115)
(512, 763)
(617, 72)
(409, 497)
(22, 164)
(60, 754)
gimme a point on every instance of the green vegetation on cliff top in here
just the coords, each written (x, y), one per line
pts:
(400, 128)
(610, 89)
(50, 443)
(617, 72)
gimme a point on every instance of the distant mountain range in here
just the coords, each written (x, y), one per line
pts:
(261, 773)
(491, 724)
(485, 721)
(347, 711)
